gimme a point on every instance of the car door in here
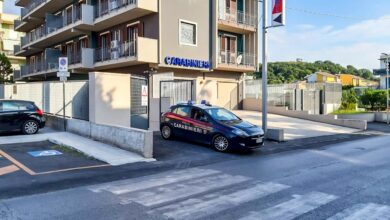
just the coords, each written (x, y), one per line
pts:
(201, 126)
(9, 115)
(181, 121)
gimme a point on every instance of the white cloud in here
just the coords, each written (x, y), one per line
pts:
(359, 44)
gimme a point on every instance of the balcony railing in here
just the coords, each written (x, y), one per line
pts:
(237, 58)
(17, 74)
(34, 35)
(238, 17)
(116, 51)
(110, 6)
(38, 67)
(31, 6)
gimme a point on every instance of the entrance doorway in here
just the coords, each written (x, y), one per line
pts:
(175, 91)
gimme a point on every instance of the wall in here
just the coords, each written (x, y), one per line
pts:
(48, 96)
(253, 104)
(109, 99)
(369, 117)
(135, 140)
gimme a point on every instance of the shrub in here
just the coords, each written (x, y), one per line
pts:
(349, 100)
(374, 100)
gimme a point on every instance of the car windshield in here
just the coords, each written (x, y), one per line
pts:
(221, 114)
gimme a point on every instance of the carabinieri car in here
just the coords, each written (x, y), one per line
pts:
(210, 125)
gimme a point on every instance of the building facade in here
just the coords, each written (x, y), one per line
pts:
(322, 77)
(9, 38)
(381, 72)
(174, 47)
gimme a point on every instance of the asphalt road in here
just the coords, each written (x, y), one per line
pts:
(348, 180)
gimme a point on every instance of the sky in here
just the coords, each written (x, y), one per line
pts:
(352, 32)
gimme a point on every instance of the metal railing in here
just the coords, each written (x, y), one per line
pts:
(239, 17)
(109, 6)
(237, 58)
(31, 6)
(74, 57)
(125, 49)
(38, 67)
(34, 35)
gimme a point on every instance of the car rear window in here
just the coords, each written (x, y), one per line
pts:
(16, 106)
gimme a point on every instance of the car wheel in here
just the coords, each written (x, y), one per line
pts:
(166, 132)
(30, 127)
(221, 143)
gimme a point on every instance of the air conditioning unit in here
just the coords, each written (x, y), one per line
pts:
(113, 5)
(114, 55)
(114, 44)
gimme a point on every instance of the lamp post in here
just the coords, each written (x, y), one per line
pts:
(387, 87)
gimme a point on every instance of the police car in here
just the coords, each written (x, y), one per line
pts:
(210, 125)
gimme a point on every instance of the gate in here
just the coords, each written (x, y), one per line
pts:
(139, 110)
(173, 92)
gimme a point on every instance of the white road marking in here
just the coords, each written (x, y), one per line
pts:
(196, 208)
(182, 190)
(370, 211)
(142, 183)
(291, 209)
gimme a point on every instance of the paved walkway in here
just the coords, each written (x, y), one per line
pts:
(295, 128)
(103, 152)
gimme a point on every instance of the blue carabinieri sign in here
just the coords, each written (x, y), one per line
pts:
(192, 63)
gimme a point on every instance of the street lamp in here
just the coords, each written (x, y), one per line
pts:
(387, 85)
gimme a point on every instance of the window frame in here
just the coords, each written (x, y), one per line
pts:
(196, 33)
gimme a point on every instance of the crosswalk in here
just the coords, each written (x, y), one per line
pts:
(199, 193)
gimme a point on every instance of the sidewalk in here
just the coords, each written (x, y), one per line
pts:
(103, 152)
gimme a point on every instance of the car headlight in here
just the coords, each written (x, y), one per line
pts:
(240, 133)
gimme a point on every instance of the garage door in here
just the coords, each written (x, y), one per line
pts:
(227, 95)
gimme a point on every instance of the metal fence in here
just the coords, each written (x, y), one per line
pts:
(317, 98)
(48, 96)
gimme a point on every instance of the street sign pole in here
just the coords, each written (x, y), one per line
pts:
(63, 74)
(264, 77)
(63, 104)
(387, 88)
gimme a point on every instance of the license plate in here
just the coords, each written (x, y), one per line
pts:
(259, 140)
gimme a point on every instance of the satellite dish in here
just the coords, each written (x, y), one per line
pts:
(239, 59)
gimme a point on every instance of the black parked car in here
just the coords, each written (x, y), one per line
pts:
(211, 125)
(17, 115)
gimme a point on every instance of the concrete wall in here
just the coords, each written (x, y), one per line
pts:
(134, 140)
(381, 117)
(254, 104)
(48, 96)
(109, 99)
(369, 117)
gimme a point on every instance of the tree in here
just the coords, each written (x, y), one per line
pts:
(287, 72)
(374, 100)
(5, 69)
(349, 99)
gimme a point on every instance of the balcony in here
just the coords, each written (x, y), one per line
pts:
(34, 13)
(81, 60)
(59, 28)
(21, 3)
(45, 64)
(126, 54)
(113, 12)
(237, 21)
(236, 61)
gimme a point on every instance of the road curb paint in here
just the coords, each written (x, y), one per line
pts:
(17, 163)
(8, 170)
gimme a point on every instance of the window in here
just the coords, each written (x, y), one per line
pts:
(15, 106)
(199, 115)
(188, 33)
(182, 111)
(221, 114)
